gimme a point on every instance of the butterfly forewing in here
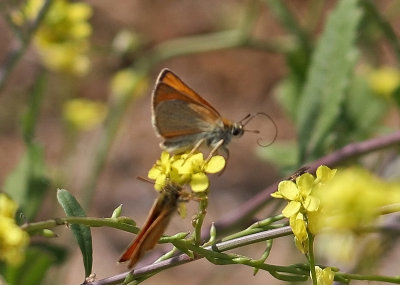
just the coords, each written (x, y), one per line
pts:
(177, 115)
(169, 78)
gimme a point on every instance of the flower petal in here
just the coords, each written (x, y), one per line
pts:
(291, 209)
(305, 183)
(288, 190)
(199, 182)
(324, 173)
(154, 172)
(216, 164)
(311, 203)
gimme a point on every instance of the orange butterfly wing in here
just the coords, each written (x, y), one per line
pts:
(178, 110)
(154, 227)
(168, 77)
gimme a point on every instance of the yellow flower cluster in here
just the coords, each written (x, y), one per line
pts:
(336, 205)
(13, 240)
(354, 200)
(62, 38)
(185, 169)
(303, 204)
(84, 114)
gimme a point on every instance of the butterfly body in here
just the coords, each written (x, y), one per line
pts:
(185, 120)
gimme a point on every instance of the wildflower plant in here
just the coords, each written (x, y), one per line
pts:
(336, 205)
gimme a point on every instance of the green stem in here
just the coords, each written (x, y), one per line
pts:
(257, 227)
(379, 278)
(200, 218)
(311, 259)
(120, 223)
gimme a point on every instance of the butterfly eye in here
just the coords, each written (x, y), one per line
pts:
(237, 130)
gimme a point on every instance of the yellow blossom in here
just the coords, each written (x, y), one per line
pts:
(127, 82)
(303, 204)
(354, 199)
(62, 38)
(324, 276)
(194, 168)
(13, 240)
(163, 171)
(184, 169)
(384, 81)
(84, 114)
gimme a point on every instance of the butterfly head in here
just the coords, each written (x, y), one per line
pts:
(237, 130)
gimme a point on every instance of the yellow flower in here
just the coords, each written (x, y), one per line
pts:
(299, 194)
(127, 82)
(183, 169)
(324, 276)
(163, 171)
(384, 81)
(7, 207)
(303, 204)
(84, 114)
(62, 38)
(354, 199)
(13, 240)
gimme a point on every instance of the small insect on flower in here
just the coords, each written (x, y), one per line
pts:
(186, 121)
(157, 221)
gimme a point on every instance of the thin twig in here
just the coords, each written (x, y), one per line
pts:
(183, 258)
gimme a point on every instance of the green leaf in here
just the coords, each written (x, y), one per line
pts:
(328, 77)
(82, 233)
(363, 109)
(28, 182)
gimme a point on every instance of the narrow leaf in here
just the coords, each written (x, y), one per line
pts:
(328, 78)
(82, 233)
(28, 182)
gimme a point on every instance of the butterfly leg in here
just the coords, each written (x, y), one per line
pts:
(194, 149)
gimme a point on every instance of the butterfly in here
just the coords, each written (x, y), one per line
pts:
(185, 120)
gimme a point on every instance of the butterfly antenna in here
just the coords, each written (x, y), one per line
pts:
(249, 117)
